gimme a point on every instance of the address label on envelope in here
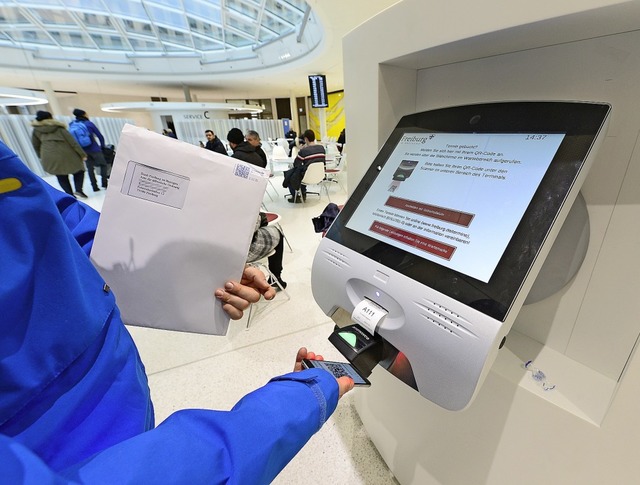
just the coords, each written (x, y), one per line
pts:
(176, 224)
(150, 183)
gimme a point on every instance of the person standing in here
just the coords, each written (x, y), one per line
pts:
(243, 150)
(95, 158)
(214, 144)
(59, 152)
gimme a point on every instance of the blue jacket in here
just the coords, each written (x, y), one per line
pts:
(74, 400)
(95, 133)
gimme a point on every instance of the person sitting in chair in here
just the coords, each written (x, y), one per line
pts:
(312, 152)
(243, 150)
(214, 143)
(266, 240)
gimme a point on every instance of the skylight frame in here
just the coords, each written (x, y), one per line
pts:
(232, 31)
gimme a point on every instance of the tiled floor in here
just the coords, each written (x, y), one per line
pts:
(196, 371)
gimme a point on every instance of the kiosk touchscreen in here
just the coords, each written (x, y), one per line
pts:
(436, 249)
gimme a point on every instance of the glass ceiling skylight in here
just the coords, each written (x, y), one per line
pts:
(116, 31)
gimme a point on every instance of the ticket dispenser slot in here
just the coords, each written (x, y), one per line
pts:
(359, 347)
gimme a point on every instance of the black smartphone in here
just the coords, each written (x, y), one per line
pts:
(338, 369)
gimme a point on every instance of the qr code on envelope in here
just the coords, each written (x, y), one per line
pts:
(242, 171)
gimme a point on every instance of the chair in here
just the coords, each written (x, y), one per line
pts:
(273, 219)
(332, 152)
(279, 153)
(331, 173)
(271, 175)
(267, 148)
(263, 265)
(314, 175)
(283, 143)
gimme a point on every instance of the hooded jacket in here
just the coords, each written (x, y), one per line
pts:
(58, 150)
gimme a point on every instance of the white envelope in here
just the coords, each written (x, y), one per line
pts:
(176, 224)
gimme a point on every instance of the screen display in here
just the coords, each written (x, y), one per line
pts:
(435, 196)
(318, 90)
(462, 199)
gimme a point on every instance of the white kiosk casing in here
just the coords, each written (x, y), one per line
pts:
(451, 253)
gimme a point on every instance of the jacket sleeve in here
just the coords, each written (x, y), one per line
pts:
(21, 466)
(35, 141)
(95, 131)
(250, 444)
(79, 218)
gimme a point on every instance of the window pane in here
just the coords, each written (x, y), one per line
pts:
(101, 22)
(71, 39)
(10, 15)
(95, 5)
(30, 36)
(127, 8)
(109, 42)
(167, 17)
(53, 17)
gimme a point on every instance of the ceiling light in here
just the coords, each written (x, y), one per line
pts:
(20, 97)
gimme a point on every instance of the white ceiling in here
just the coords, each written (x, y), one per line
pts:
(335, 18)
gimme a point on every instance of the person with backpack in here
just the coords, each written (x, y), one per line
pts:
(59, 152)
(85, 132)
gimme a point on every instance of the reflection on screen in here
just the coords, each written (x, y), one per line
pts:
(455, 198)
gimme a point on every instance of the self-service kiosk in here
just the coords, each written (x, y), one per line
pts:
(429, 262)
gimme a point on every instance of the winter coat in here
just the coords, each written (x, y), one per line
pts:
(58, 150)
(217, 146)
(247, 153)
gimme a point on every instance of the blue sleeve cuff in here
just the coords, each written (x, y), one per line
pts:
(323, 385)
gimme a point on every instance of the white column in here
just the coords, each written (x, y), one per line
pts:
(322, 116)
(294, 113)
(187, 93)
(54, 106)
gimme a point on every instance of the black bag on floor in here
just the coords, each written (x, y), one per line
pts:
(109, 152)
(322, 222)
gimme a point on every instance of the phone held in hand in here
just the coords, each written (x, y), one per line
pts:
(338, 369)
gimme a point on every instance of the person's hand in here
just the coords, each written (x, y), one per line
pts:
(236, 297)
(303, 353)
(345, 384)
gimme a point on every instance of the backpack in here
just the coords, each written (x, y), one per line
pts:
(81, 133)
